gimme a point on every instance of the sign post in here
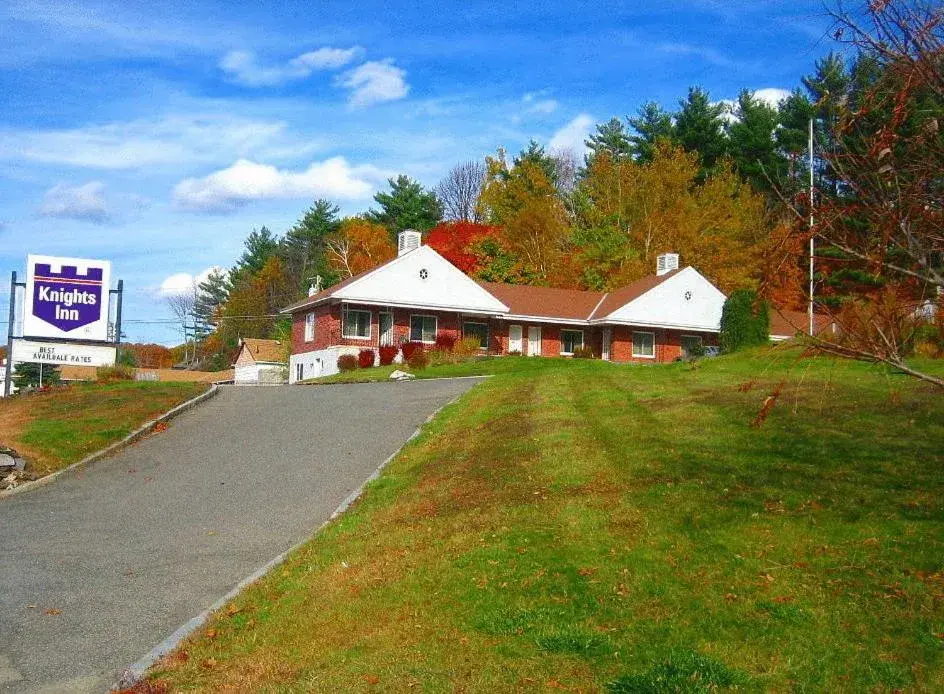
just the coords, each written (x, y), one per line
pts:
(66, 311)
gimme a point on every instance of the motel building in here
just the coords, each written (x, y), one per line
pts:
(419, 294)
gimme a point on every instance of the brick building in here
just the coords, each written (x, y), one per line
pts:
(419, 294)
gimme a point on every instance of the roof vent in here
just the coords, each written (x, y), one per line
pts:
(408, 240)
(666, 263)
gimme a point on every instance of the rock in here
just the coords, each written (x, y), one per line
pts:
(7, 460)
(401, 376)
(10, 459)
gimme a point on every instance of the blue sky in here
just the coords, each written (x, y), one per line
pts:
(158, 135)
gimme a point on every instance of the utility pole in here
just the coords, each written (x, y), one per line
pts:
(812, 248)
(8, 375)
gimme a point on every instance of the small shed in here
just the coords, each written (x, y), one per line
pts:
(260, 362)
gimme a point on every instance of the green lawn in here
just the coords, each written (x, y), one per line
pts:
(582, 526)
(474, 367)
(58, 428)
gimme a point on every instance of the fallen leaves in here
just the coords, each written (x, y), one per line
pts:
(52, 612)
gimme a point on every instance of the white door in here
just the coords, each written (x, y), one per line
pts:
(386, 328)
(514, 338)
(607, 338)
(534, 340)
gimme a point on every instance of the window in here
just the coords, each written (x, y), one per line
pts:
(299, 371)
(644, 345)
(571, 340)
(689, 342)
(423, 329)
(356, 324)
(309, 326)
(478, 331)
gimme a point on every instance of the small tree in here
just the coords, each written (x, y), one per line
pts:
(745, 321)
(30, 375)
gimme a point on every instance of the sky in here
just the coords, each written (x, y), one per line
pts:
(158, 135)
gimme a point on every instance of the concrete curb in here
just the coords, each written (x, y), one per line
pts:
(133, 674)
(128, 440)
(390, 380)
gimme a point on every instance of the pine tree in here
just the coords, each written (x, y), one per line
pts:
(259, 247)
(408, 205)
(211, 295)
(651, 125)
(535, 154)
(752, 145)
(699, 128)
(610, 138)
(303, 246)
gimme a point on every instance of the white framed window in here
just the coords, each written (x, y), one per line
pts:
(355, 324)
(691, 341)
(423, 328)
(570, 340)
(476, 330)
(644, 345)
(299, 371)
(310, 326)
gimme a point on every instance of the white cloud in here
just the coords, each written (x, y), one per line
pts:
(245, 181)
(374, 82)
(572, 136)
(85, 202)
(537, 102)
(772, 96)
(184, 283)
(244, 68)
(169, 140)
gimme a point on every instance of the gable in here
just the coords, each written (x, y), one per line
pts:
(666, 304)
(421, 278)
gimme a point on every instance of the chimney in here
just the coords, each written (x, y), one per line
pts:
(666, 262)
(315, 286)
(408, 240)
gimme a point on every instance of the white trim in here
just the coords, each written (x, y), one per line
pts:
(561, 339)
(590, 317)
(435, 330)
(310, 321)
(370, 324)
(632, 343)
(517, 317)
(665, 326)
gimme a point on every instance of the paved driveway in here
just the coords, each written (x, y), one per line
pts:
(99, 566)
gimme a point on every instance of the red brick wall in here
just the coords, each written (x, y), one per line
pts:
(668, 344)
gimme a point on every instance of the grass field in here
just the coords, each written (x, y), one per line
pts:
(60, 427)
(581, 526)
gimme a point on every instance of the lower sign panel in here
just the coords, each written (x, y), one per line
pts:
(62, 353)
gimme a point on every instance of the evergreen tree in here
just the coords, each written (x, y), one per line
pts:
(259, 247)
(303, 246)
(651, 125)
(610, 138)
(745, 321)
(211, 295)
(536, 154)
(699, 128)
(752, 145)
(408, 205)
(30, 375)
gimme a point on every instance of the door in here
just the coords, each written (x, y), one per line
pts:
(605, 349)
(534, 340)
(514, 338)
(386, 328)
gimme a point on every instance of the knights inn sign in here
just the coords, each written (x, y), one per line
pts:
(66, 319)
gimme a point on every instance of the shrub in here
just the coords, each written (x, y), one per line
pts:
(437, 357)
(445, 341)
(583, 353)
(387, 354)
(347, 362)
(745, 321)
(365, 358)
(418, 360)
(409, 347)
(109, 374)
(467, 347)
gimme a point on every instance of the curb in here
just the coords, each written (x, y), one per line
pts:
(134, 673)
(390, 380)
(128, 440)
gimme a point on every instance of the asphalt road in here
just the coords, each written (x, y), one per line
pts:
(102, 564)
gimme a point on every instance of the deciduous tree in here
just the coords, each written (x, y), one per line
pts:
(358, 245)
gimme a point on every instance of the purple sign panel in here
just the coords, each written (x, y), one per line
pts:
(66, 294)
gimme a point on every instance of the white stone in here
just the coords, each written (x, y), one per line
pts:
(401, 376)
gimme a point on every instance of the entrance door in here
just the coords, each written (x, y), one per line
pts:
(514, 338)
(386, 328)
(607, 338)
(534, 340)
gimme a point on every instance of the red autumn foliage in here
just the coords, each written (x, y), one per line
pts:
(445, 341)
(453, 241)
(365, 358)
(387, 354)
(409, 348)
